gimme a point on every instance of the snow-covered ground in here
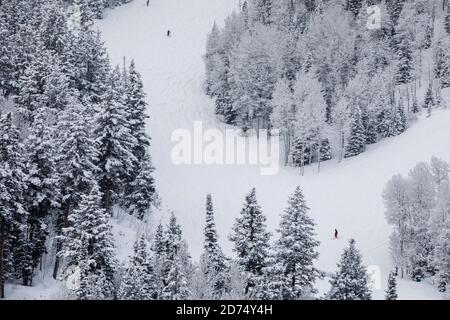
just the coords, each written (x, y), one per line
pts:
(345, 195)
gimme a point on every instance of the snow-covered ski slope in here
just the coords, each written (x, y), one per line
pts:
(345, 196)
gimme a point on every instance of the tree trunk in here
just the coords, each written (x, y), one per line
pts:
(63, 224)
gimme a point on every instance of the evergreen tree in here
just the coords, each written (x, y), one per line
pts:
(89, 67)
(31, 83)
(140, 192)
(356, 142)
(176, 287)
(138, 283)
(250, 240)
(42, 192)
(87, 243)
(213, 257)
(76, 162)
(53, 26)
(325, 150)
(351, 281)
(115, 143)
(415, 107)
(212, 58)
(404, 53)
(295, 251)
(159, 250)
(429, 100)
(12, 212)
(391, 292)
(174, 267)
(442, 62)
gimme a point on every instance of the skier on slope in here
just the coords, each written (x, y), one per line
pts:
(335, 233)
(168, 33)
(148, 3)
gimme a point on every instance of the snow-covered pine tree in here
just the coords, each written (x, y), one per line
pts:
(31, 83)
(213, 257)
(325, 150)
(356, 141)
(90, 68)
(88, 244)
(429, 99)
(84, 14)
(400, 122)
(250, 240)
(138, 282)
(76, 162)
(136, 106)
(42, 192)
(140, 192)
(159, 252)
(441, 61)
(392, 121)
(212, 58)
(296, 250)
(176, 287)
(6, 52)
(12, 213)
(391, 292)
(53, 27)
(415, 107)
(175, 264)
(351, 281)
(115, 143)
(404, 73)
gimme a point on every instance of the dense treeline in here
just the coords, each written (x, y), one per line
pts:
(418, 207)
(315, 71)
(162, 268)
(72, 144)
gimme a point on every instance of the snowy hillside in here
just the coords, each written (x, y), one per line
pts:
(345, 196)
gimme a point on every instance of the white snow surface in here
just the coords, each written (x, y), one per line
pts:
(345, 196)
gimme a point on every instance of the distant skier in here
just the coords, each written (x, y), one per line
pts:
(148, 3)
(335, 233)
(168, 33)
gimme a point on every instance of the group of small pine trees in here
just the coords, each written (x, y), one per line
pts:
(418, 207)
(72, 147)
(158, 271)
(162, 268)
(313, 70)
